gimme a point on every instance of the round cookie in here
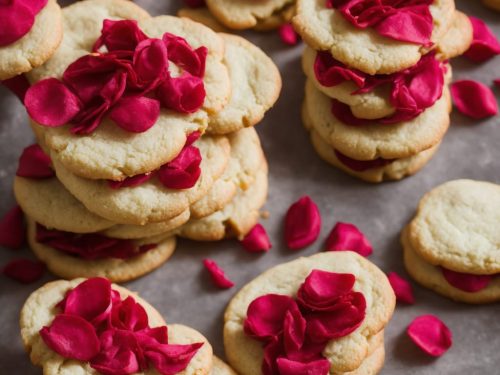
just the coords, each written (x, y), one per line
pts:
(493, 4)
(150, 202)
(326, 29)
(203, 16)
(431, 277)
(110, 152)
(245, 354)
(457, 39)
(221, 368)
(398, 169)
(372, 365)
(456, 226)
(36, 47)
(256, 85)
(371, 141)
(39, 311)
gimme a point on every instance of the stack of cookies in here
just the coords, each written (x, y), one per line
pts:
(144, 126)
(377, 103)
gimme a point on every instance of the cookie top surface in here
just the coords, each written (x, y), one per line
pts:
(326, 29)
(256, 85)
(35, 47)
(40, 308)
(111, 152)
(457, 39)
(221, 368)
(245, 353)
(368, 142)
(456, 226)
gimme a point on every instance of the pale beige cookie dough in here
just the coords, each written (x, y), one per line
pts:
(245, 354)
(150, 202)
(431, 277)
(368, 142)
(40, 309)
(35, 47)
(110, 152)
(457, 226)
(457, 39)
(372, 365)
(364, 49)
(203, 16)
(221, 368)
(256, 85)
(493, 4)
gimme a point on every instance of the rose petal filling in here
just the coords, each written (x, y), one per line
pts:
(402, 288)
(474, 99)
(330, 72)
(256, 240)
(131, 181)
(288, 35)
(12, 229)
(319, 367)
(430, 334)
(25, 271)
(302, 223)
(182, 172)
(484, 44)
(346, 236)
(34, 163)
(465, 281)
(217, 274)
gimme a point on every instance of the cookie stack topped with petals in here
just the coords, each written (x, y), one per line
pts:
(144, 127)
(377, 103)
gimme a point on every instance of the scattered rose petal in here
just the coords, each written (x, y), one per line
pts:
(12, 229)
(402, 288)
(362, 165)
(474, 99)
(217, 274)
(430, 334)
(319, 367)
(18, 85)
(302, 223)
(465, 281)
(346, 236)
(288, 34)
(184, 94)
(25, 271)
(135, 114)
(184, 171)
(34, 163)
(256, 240)
(484, 43)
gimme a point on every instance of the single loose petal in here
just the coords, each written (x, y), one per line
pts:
(135, 114)
(288, 367)
(302, 223)
(12, 229)
(34, 163)
(346, 236)
(474, 99)
(430, 334)
(217, 274)
(402, 288)
(484, 44)
(465, 281)
(25, 271)
(256, 240)
(288, 34)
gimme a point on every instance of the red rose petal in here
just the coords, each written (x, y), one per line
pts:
(12, 229)
(118, 353)
(184, 171)
(346, 236)
(192, 137)
(217, 274)
(50, 103)
(25, 271)
(184, 56)
(343, 113)
(302, 223)
(195, 3)
(402, 288)
(172, 359)
(150, 63)
(122, 35)
(256, 240)
(129, 315)
(288, 367)
(17, 18)
(288, 34)
(131, 181)
(474, 99)
(465, 281)
(362, 165)
(71, 337)
(34, 163)
(184, 94)
(484, 43)
(135, 114)
(294, 330)
(430, 334)
(330, 72)
(497, 82)
(18, 85)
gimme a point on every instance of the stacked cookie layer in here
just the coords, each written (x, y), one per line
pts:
(377, 103)
(154, 139)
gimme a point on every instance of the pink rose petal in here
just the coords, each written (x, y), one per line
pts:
(192, 137)
(288, 367)
(430, 334)
(184, 171)
(217, 274)
(466, 282)
(17, 18)
(25, 271)
(34, 163)
(122, 35)
(150, 64)
(256, 240)
(294, 330)
(184, 56)
(330, 72)
(302, 223)
(131, 181)
(497, 82)
(12, 229)
(118, 354)
(288, 34)
(129, 315)
(346, 236)
(484, 43)
(184, 94)
(172, 359)
(402, 288)
(362, 165)
(474, 99)
(135, 114)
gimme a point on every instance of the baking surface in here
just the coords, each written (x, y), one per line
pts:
(181, 289)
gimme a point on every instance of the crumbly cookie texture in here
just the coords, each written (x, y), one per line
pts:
(431, 277)
(36, 47)
(237, 217)
(397, 170)
(40, 309)
(456, 226)
(493, 4)
(150, 202)
(256, 85)
(364, 49)
(368, 142)
(249, 14)
(221, 368)
(110, 152)
(245, 354)
(457, 39)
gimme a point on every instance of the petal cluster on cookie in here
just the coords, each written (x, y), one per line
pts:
(17, 18)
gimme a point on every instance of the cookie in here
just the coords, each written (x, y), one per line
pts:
(493, 4)
(326, 29)
(457, 39)
(111, 152)
(150, 202)
(221, 368)
(256, 85)
(396, 170)
(36, 46)
(372, 141)
(203, 16)
(40, 309)
(236, 219)
(372, 365)
(456, 227)
(432, 277)
(245, 354)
